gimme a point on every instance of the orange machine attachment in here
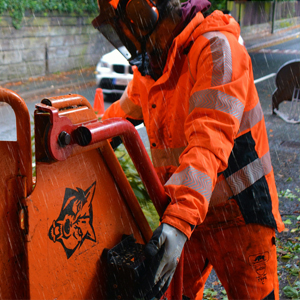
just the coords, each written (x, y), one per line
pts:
(15, 186)
(82, 203)
(54, 239)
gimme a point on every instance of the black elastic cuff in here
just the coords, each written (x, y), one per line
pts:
(135, 122)
(115, 142)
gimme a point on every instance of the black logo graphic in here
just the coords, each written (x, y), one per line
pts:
(259, 262)
(75, 221)
(259, 258)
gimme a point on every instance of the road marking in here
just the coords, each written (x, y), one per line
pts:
(286, 51)
(264, 78)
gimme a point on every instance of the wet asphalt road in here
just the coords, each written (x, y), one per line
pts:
(284, 138)
(269, 60)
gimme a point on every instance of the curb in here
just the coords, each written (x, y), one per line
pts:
(272, 42)
(48, 90)
(271, 39)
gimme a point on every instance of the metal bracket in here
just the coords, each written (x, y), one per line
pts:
(65, 137)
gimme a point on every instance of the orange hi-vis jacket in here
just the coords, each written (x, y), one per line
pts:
(205, 126)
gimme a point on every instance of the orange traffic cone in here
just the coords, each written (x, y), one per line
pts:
(99, 102)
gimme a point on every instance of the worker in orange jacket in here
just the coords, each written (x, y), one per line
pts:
(193, 88)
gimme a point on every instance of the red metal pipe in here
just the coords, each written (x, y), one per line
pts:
(178, 279)
(96, 132)
(67, 101)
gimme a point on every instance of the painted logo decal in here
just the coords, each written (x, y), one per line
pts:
(259, 261)
(75, 222)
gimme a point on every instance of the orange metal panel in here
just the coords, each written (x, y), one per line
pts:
(12, 249)
(75, 211)
(79, 207)
(15, 184)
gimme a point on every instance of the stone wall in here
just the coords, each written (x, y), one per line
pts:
(48, 44)
(257, 18)
(55, 43)
(260, 30)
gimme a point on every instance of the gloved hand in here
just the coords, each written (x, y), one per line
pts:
(163, 253)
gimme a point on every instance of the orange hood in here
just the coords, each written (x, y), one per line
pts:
(217, 21)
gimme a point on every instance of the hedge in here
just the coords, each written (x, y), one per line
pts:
(17, 8)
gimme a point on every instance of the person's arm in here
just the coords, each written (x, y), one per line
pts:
(128, 106)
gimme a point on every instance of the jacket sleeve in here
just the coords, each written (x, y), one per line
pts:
(216, 106)
(128, 106)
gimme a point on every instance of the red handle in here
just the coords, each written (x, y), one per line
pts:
(96, 132)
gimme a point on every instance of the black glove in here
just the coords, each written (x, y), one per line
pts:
(162, 256)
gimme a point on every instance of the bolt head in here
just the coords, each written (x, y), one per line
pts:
(64, 139)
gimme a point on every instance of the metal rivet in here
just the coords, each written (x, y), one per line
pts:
(64, 139)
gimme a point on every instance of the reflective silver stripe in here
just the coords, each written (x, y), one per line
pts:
(214, 99)
(166, 157)
(248, 175)
(251, 118)
(221, 56)
(193, 179)
(266, 163)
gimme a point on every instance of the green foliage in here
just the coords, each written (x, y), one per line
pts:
(211, 294)
(137, 186)
(289, 251)
(288, 194)
(292, 292)
(217, 4)
(16, 8)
